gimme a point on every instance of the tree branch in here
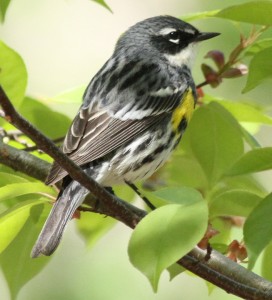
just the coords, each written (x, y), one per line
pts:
(115, 208)
(227, 274)
(219, 270)
(24, 162)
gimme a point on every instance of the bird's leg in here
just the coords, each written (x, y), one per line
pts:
(93, 202)
(136, 190)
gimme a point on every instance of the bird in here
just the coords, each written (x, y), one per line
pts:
(133, 115)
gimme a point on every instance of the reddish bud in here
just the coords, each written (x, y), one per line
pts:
(242, 254)
(211, 75)
(238, 71)
(76, 215)
(232, 257)
(211, 232)
(200, 93)
(237, 251)
(218, 58)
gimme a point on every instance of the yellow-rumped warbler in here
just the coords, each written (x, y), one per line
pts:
(134, 113)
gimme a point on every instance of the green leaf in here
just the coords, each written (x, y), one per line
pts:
(199, 15)
(222, 248)
(71, 98)
(124, 192)
(3, 9)
(258, 229)
(17, 266)
(173, 195)
(244, 182)
(256, 160)
(211, 287)
(74, 95)
(103, 3)
(258, 46)
(243, 112)
(267, 263)
(179, 195)
(224, 227)
(12, 221)
(13, 74)
(18, 189)
(247, 115)
(255, 12)
(182, 169)
(250, 139)
(174, 270)
(155, 244)
(38, 114)
(215, 139)
(234, 203)
(8, 178)
(259, 69)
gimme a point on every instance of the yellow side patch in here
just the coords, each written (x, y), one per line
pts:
(184, 110)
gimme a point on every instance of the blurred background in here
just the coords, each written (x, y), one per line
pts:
(63, 44)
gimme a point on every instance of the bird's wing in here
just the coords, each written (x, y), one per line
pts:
(98, 131)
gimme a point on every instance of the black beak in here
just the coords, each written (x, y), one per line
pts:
(202, 36)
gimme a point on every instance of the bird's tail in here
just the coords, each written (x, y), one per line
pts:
(65, 206)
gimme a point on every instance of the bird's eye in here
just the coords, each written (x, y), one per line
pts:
(173, 37)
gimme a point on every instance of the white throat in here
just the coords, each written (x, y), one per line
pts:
(184, 57)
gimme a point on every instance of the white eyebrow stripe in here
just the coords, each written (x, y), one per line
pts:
(167, 30)
(189, 30)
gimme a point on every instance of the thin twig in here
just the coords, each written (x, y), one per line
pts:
(35, 148)
(200, 85)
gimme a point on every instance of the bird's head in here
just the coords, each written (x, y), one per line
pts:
(164, 35)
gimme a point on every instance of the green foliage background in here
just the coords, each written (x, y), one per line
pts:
(211, 175)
